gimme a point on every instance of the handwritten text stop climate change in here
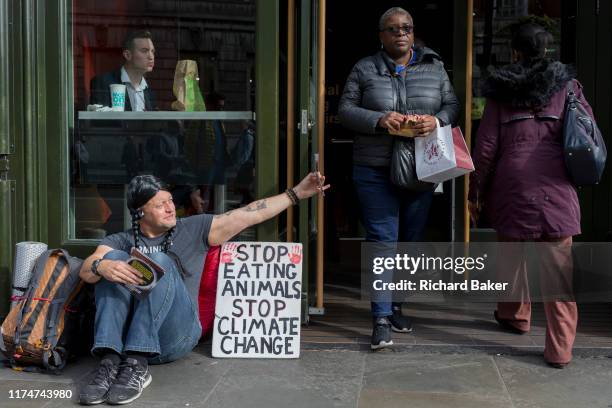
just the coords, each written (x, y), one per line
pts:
(261, 285)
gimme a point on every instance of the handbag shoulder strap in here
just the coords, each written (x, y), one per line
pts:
(570, 95)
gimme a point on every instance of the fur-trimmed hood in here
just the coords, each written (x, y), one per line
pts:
(523, 86)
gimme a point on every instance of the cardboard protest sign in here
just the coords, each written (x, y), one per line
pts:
(258, 308)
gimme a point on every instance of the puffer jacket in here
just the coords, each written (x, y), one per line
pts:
(373, 88)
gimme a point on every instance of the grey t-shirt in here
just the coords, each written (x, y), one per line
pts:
(189, 243)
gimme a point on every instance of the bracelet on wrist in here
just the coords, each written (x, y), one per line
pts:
(94, 267)
(292, 196)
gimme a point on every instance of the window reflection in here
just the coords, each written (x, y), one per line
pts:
(131, 57)
(494, 21)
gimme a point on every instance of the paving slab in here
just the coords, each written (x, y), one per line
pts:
(318, 379)
(399, 399)
(419, 379)
(586, 382)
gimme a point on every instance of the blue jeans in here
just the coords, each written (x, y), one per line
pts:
(390, 214)
(165, 324)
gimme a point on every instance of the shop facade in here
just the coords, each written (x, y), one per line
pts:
(279, 68)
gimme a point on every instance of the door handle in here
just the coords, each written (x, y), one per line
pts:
(309, 125)
(305, 124)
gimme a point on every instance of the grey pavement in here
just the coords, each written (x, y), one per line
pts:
(343, 378)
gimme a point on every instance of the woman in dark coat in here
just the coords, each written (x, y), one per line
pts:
(380, 91)
(522, 184)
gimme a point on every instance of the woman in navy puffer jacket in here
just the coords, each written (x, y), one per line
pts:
(380, 91)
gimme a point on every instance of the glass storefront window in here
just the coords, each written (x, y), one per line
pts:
(191, 124)
(493, 24)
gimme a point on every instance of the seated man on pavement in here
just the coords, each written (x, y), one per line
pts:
(131, 333)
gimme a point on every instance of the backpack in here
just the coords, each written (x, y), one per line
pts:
(45, 327)
(583, 146)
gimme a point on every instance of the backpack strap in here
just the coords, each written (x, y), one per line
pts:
(60, 357)
(73, 261)
(50, 330)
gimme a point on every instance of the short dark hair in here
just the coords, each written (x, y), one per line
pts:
(531, 40)
(389, 13)
(128, 43)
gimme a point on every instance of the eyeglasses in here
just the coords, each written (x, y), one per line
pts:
(402, 30)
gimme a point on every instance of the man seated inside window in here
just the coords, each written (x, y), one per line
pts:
(139, 59)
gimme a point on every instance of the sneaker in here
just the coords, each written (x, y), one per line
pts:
(400, 323)
(96, 391)
(133, 377)
(381, 334)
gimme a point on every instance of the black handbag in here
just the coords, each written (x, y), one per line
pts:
(583, 145)
(403, 167)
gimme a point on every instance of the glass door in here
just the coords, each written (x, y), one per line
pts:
(309, 132)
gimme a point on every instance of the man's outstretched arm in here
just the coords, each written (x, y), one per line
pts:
(225, 226)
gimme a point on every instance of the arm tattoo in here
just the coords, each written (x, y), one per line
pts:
(256, 206)
(224, 214)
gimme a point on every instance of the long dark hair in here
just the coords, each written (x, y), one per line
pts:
(532, 41)
(140, 190)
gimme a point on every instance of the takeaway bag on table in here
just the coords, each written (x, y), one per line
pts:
(186, 88)
(442, 156)
(199, 139)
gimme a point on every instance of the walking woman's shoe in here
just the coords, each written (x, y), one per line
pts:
(400, 323)
(381, 333)
(505, 324)
(560, 366)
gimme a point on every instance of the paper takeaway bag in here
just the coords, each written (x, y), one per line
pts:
(186, 87)
(443, 155)
(199, 139)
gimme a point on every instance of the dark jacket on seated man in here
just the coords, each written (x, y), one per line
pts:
(100, 91)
